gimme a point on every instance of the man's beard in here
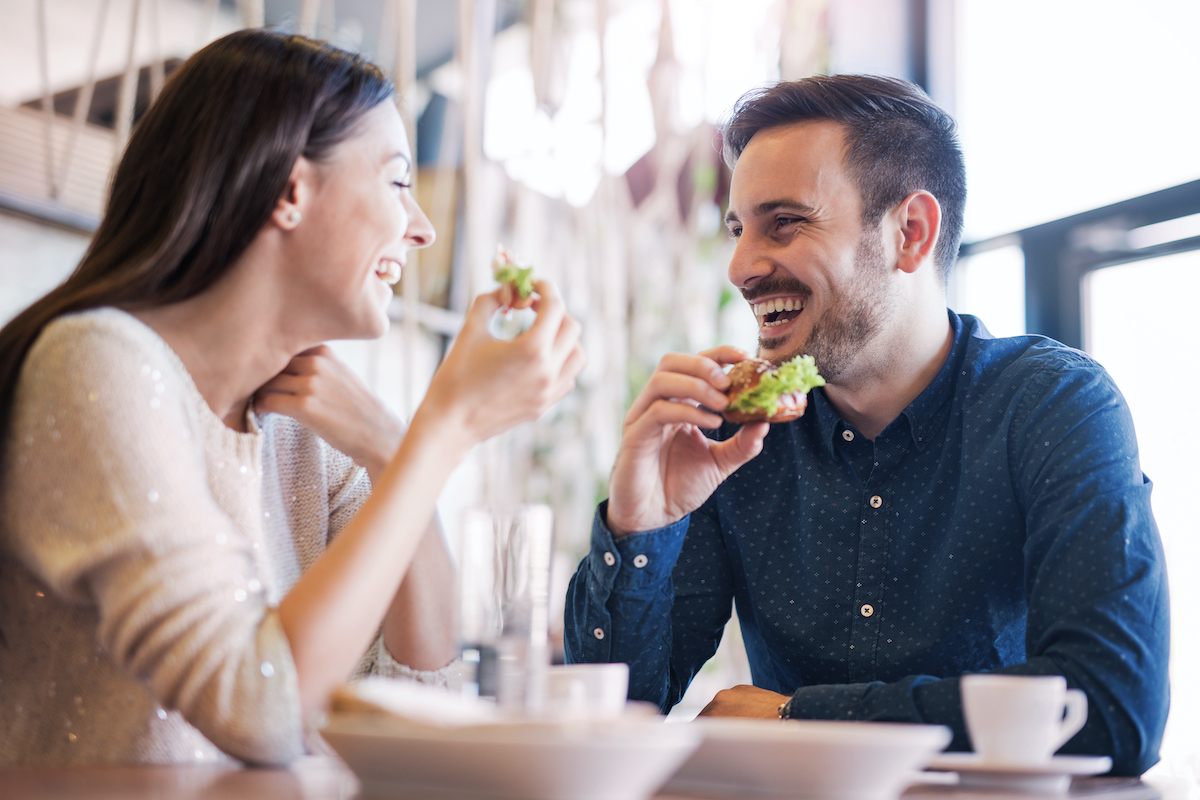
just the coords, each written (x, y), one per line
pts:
(854, 316)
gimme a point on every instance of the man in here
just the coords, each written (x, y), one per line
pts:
(949, 503)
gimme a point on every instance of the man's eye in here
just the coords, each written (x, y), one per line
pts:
(735, 233)
(402, 184)
(782, 221)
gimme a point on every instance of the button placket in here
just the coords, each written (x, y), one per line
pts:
(871, 574)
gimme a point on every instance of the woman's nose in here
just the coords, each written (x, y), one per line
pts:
(420, 231)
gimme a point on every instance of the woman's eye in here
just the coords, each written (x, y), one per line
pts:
(735, 233)
(402, 184)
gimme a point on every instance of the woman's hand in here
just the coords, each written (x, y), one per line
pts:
(486, 386)
(326, 396)
(482, 388)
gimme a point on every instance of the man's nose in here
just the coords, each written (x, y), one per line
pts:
(749, 263)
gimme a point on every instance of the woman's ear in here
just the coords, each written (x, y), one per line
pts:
(919, 221)
(296, 197)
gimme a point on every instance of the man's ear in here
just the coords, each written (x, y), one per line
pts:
(295, 200)
(918, 222)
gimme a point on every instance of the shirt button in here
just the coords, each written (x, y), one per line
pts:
(876, 501)
(848, 435)
(610, 559)
(867, 610)
(598, 633)
(640, 561)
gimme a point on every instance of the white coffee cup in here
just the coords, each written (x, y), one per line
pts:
(1021, 719)
(587, 690)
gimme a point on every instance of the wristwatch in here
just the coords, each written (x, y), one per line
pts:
(785, 708)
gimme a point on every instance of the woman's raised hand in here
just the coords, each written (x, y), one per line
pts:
(486, 386)
(326, 396)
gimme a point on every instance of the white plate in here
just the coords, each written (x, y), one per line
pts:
(1050, 777)
(622, 759)
(806, 758)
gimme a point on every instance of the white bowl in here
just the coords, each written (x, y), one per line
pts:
(807, 758)
(622, 759)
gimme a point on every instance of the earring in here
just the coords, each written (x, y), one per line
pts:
(293, 216)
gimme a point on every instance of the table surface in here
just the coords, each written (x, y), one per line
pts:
(327, 778)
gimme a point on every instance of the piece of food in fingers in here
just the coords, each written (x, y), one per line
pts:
(515, 279)
(761, 392)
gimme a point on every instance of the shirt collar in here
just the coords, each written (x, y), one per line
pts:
(825, 418)
(922, 414)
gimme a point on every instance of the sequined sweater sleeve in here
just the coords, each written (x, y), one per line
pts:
(125, 496)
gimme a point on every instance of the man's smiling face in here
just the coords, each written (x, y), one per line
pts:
(815, 278)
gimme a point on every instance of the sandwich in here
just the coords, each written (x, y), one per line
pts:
(515, 279)
(761, 392)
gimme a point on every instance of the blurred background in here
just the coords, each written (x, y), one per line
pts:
(581, 134)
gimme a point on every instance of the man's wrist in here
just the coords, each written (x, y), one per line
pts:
(785, 708)
(616, 531)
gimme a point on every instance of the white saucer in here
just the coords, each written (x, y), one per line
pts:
(1051, 777)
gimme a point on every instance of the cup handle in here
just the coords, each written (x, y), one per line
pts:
(1076, 706)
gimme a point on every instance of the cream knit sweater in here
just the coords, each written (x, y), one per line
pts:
(144, 547)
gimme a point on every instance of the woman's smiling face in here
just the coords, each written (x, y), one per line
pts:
(359, 221)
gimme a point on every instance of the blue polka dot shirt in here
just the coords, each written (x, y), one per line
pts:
(1000, 523)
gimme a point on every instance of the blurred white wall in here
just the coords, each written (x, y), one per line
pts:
(34, 258)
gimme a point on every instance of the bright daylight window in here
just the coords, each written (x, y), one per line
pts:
(1075, 104)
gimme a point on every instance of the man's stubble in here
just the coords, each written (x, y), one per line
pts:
(853, 318)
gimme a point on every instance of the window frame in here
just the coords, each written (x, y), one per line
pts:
(1060, 254)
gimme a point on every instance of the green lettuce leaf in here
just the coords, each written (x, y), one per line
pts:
(521, 278)
(796, 375)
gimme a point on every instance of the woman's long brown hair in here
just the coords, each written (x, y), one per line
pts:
(201, 175)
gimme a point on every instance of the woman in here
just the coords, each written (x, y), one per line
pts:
(170, 584)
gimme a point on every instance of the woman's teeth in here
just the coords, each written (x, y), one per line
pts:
(777, 307)
(388, 271)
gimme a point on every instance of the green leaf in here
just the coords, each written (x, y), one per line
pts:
(797, 375)
(520, 277)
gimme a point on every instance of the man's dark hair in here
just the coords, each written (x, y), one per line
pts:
(897, 142)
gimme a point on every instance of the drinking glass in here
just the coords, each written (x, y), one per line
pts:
(504, 592)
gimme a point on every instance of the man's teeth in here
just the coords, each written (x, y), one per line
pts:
(774, 306)
(388, 271)
(778, 304)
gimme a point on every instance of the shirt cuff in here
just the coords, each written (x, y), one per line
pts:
(828, 701)
(636, 561)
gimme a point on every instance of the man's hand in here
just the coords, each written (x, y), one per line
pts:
(666, 467)
(745, 701)
(323, 394)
